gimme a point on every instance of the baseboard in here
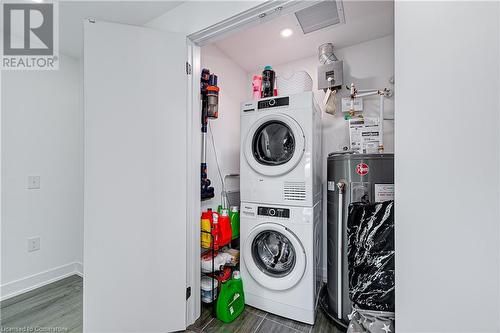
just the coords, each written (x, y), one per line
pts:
(78, 269)
(38, 280)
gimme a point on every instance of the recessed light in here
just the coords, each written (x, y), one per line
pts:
(286, 32)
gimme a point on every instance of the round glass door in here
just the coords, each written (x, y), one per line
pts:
(274, 256)
(273, 143)
(273, 253)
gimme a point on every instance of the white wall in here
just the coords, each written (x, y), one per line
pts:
(42, 134)
(232, 81)
(447, 166)
(201, 14)
(368, 65)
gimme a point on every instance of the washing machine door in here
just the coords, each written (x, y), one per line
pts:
(274, 145)
(274, 256)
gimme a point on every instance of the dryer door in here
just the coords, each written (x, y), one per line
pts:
(274, 256)
(274, 145)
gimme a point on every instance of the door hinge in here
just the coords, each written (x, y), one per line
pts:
(188, 292)
(188, 68)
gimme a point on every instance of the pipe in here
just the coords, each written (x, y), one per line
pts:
(203, 147)
(340, 257)
(326, 55)
(381, 124)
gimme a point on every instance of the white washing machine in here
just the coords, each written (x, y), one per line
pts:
(281, 252)
(281, 150)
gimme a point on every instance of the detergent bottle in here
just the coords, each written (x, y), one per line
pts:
(231, 301)
(234, 215)
(215, 230)
(206, 228)
(224, 227)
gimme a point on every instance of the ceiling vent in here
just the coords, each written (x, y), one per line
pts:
(321, 15)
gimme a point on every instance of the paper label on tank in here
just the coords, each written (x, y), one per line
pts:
(331, 186)
(384, 192)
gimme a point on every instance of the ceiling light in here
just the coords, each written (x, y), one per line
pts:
(286, 32)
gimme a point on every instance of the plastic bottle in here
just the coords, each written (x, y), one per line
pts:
(257, 86)
(234, 215)
(268, 78)
(215, 230)
(225, 228)
(206, 227)
(231, 301)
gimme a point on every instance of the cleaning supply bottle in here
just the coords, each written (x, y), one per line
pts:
(268, 79)
(224, 227)
(231, 301)
(257, 86)
(234, 215)
(215, 230)
(206, 227)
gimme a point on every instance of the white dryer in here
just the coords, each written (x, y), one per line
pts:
(281, 151)
(281, 258)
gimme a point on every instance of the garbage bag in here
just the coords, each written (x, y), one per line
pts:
(370, 232)
(369, 321)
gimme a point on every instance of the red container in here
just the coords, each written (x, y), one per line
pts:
(216, 232)
(224, 228)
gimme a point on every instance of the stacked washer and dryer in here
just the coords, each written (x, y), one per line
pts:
(281, 219)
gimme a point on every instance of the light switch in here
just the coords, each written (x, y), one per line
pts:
(33, 182)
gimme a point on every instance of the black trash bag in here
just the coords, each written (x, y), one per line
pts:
(370, 232)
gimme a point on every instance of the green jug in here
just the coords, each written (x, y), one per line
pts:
(231, 300)
(234, 215)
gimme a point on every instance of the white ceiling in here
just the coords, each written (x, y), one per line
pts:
(262, 44)
(72, 14)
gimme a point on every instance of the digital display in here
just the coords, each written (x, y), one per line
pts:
(273, 102)
(273, 212)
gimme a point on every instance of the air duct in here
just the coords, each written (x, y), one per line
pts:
(326, 55)
(330, 72)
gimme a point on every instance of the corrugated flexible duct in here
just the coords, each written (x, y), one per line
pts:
(326, 55)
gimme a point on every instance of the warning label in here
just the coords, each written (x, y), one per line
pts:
(384, 192)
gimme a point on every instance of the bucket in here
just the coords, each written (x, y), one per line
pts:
(208, 289)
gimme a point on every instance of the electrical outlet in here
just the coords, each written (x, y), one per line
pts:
(33, 182)
(33, 244)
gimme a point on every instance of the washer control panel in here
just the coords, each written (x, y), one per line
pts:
(273, 212)
(273, 102)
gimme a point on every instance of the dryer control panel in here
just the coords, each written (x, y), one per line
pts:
(273, 212)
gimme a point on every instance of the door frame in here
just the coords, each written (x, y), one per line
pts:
(259, 14)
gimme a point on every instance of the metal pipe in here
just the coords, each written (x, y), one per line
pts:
(326, 55)
(203, 147)
(381, 124)
(340, 229)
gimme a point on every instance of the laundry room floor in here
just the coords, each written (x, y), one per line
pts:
(253, 320)
(56, 307)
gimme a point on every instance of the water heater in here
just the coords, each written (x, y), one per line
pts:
(351, 178)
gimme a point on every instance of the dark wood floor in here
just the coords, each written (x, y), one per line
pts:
(59, 307)
(256, 321)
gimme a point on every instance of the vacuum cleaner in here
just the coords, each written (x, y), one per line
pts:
(209, 110)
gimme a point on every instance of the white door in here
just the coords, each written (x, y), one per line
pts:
(135, 179)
